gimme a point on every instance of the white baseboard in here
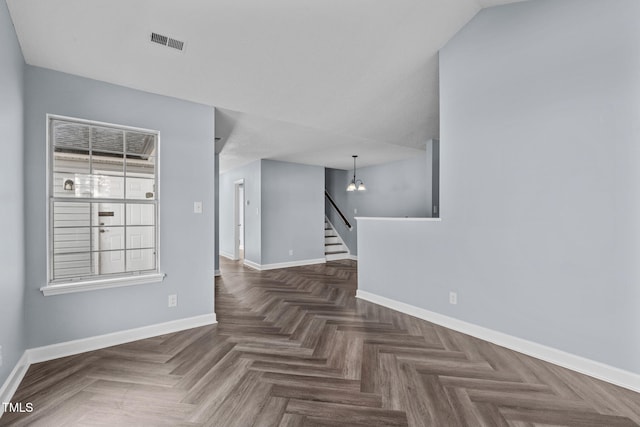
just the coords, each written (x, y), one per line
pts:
(341, 257)
(227, 255)
(70, 348)
(252, 264)
(284, 264)
(13, 381)
(217, 273)
(336, 257)
(579, 364)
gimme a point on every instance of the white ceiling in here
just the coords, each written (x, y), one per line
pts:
(304, 81)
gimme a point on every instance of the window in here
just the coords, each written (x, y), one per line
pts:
(103, 205)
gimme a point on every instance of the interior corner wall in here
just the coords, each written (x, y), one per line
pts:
(540, 183)
(12, 251)
(395, 189)
(186, 239)
(251, 174)
(292, 212)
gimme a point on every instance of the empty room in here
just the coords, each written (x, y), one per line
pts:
(323, 213)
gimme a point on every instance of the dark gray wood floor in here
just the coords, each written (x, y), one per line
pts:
(293, 347)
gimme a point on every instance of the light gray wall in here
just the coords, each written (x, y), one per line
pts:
(285, 211)
(187, 174)
(12, 253)
(540, 166)
(216, 223)
(395, 189)
(292, 212)
(251, 174)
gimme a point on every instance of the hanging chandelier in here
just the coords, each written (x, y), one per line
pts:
(355, 184)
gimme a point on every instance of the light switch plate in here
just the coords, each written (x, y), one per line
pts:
(197, 207)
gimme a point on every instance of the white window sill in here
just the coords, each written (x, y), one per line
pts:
(92, 285)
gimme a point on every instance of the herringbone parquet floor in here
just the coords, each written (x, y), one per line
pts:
(293, 347)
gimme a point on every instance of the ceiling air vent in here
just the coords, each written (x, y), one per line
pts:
(176, 44)
(167, 41)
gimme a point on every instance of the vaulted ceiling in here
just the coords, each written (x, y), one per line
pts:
(305, 81)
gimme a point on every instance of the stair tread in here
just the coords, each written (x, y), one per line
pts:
(334, 252)
(332, 244)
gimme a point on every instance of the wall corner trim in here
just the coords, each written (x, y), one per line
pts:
(275, 266)
(576, 363)
(70, 348)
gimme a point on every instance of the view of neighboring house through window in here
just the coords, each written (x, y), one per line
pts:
(103, 201)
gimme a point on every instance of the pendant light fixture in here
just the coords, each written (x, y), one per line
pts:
(355, 184)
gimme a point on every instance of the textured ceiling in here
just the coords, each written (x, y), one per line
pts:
(310, 82)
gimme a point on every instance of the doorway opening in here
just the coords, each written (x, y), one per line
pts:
(239, 220)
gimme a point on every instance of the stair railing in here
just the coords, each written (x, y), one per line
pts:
(344, 218)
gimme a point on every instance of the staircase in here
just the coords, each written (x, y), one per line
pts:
(334, 247)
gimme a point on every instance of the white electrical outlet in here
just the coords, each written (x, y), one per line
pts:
(290, 252)
(453, 298)
(197, 207)
(173, 300)
(355, 210)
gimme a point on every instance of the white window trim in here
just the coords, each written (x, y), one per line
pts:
(106, 283)
(59, 288)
